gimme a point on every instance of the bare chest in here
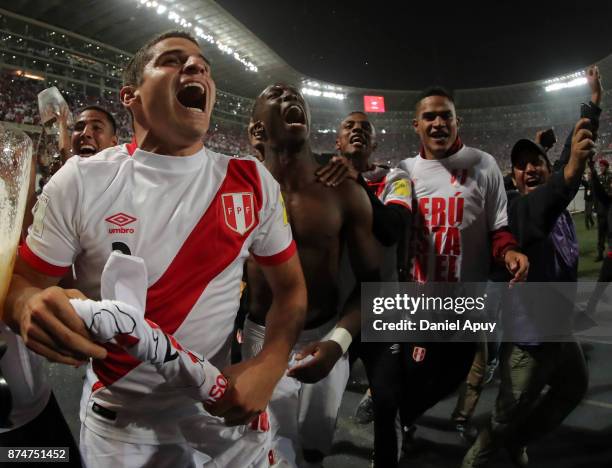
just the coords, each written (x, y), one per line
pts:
(315, 215)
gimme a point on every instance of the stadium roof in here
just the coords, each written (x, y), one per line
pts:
(127, 24)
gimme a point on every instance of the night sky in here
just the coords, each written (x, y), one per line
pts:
(410, 45)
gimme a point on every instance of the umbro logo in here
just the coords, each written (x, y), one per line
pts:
(121, 220)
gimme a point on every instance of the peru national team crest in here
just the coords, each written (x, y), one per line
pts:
(238, 210)
(418, 354)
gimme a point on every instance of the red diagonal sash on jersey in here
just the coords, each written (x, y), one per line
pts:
(208, 250)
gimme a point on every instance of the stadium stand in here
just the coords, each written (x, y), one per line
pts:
(34, 56)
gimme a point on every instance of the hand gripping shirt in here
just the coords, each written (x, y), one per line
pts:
(194, 220)
(459, 201)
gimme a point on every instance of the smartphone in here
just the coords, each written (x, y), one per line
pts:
(548, 138)
(587, 112)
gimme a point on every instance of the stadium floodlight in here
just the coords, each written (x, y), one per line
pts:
(29, 75)
(325, 94)
(160, 8)
(566, 81)
(567, 84)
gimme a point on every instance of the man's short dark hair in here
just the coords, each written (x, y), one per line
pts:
(358, 112)
(435, 91)
(259, 98)
(132, 75)
(108, 115)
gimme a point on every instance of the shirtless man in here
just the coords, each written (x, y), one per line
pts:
(323, 220)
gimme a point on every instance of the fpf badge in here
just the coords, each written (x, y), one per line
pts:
(238, 210)
(418, 354)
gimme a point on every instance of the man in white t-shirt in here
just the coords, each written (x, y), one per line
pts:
(460, 223)
(193, 216)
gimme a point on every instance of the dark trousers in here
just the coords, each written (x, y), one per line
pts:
(605, 277)
(411, 378)
(49, 429)
(522, 413)
(589, 222)
(602, 232)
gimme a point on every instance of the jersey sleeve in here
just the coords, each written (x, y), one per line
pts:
(496, 201)
(273, 243)
(53, 241)
(397, 189)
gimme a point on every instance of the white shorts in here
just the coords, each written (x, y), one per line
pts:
(207, 442)
(302, 416)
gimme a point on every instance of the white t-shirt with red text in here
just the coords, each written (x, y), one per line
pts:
(459, 201)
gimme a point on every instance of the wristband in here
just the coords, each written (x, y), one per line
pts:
(342, 337)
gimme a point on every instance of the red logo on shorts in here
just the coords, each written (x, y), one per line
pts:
(271, 458)
(261, 423)
(239, 212)
(121, 220)
(418, 354)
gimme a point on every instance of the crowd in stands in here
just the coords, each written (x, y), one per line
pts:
(396, 140)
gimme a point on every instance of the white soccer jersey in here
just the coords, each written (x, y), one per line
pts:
(391, 186)
(194, 220)
(459, 201)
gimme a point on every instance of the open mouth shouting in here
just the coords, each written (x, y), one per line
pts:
(192, 96)
(532, 181)
(87, 150)
(295, 117)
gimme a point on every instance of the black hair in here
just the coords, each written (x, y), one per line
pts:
(132, 75)
(108, 115)
(357, 112)
(435, 91)
(258, 99)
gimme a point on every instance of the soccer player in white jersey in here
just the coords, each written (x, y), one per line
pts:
(193, 216)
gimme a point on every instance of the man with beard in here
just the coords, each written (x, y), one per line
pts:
(324, 221)
(193, 215)
(461, 208)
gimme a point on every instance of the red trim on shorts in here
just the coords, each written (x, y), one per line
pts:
(39, 264)
(400, 203)
(609, 254)
(208, 250)
(278, 258)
